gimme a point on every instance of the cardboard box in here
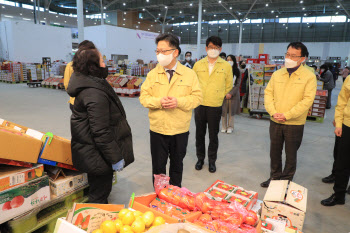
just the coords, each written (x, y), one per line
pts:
(18, 146)
(62, 185)
(58, 150)
(20, 199)
(89, 217)
(11, 176)
(141, 203)
(290, 207)
(62, 226)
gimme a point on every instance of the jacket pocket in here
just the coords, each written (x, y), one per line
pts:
(183, 88)
(157, 88)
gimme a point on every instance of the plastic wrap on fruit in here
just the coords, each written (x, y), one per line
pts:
(251, 218)
(161, 181)
(203, 203)
(248, 229)
(238, 207)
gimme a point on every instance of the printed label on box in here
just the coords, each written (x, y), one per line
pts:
(17, 179)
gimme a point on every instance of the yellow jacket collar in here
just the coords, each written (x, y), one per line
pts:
(220, 60)
(297, 72)
(179, 69)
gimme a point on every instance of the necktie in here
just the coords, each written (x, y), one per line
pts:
(171, 72)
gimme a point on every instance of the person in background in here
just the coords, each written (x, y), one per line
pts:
(232, 104)
(171, 91)
(288, 98)
(101, 136)
(188, 60)
(216, 80)
(326, 77)
(223, 56)
(314, 67)
(86, 44)
(306, 66)
(335, 71)
(342, 162)
(345, 73)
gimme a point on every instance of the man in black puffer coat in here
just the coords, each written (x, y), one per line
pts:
(101, 136)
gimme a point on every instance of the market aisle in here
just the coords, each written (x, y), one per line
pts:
(243, 157)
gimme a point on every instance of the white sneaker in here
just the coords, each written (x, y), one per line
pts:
(229, 131)
(223, 131)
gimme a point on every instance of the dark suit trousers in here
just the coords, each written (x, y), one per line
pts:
(335, 153)
(291, 136)
(100, 188)
(210, 116)
(342, 166)
(164, 147)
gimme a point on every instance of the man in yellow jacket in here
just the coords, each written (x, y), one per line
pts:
(86, 44)
(171, 91)
(216, 80)
(288, 98)
(342, 162)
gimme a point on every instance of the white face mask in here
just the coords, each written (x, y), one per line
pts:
(231, 62)
(165, 60)
(289, 63)
(213, 53)
(188, 58)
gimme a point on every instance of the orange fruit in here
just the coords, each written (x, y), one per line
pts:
(158, 221)
(148, 218)
(138, 226)
(126, 229)
(122, 213)
(128, 218)
(119, 224)
(137, 213)
(108, 227)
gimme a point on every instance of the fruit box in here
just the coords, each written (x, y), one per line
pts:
(216, 194)
(89, 217)
(246, 194)
(62, 226)
(286, 201)
(141, 203)
(244, 201)
(20, 199)
(225, 187)
(11, 176)
(57, 149)
(18, 146)
(64, 185)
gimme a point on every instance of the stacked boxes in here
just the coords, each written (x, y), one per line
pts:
(32, 72)
(64, 185)
(268, 71)
(318, 108)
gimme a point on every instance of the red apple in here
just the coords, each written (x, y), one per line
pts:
(7, 206)
(17, 202)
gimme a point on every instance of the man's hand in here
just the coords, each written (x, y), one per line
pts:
(338, 131)
(228, 96)
(279, 117)
(171, 103)
(333, 123)
(164, 101)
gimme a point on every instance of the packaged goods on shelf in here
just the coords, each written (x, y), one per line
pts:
(64, 185)
(134, 83)
(20, 199)
(121, 81)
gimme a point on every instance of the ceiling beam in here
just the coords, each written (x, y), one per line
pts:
(347, 12)
(152, 15)
(230, 12)
(251, 7)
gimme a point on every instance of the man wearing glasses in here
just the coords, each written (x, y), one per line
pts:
(171, 91)
(288, 98)
(216, 80)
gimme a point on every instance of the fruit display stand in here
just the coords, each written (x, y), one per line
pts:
(317, 112)
(43, 218)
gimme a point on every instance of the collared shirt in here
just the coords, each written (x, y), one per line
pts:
(292, 70)
(167, 73)
(211, 66)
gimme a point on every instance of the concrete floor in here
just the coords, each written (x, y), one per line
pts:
(243, 157)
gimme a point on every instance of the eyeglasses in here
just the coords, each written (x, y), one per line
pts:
(291, 56)
(163, 51)
(214, 47)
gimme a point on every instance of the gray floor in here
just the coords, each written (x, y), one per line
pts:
(243, 157)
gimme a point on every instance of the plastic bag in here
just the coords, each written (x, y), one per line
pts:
(160, 181)
(178, 196)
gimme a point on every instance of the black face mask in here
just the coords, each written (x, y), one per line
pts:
(103, 72)
(243, 66)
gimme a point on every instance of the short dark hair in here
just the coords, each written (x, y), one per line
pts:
(172, 39)
(188, 52)
(87, 62)
(299, 46)
(222, 55)
(86, 44)
(215, 40)
(325, 66)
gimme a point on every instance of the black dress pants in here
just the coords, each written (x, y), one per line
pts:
(329, 99)
(210, 116)
(291, 136)
(335, 153)
(342, 166)
(100, 188)
(168, 146)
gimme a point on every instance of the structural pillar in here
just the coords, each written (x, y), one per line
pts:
(240, 38)
(199, 31)
(80, 18)
(34, 11)
(102, 19)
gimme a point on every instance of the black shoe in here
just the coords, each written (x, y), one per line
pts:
(265, 184)
(332, 201)
(199, 165)
(329, 179)
(212, 167)
(348, 190)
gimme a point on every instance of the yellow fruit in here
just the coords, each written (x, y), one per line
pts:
(137, 213)
(158, 221)
(122, 213)
(128, 218)
(148, 218)
(38, 172)
(97, 231)
(138, 226)
(108, 227)
(126, 229)
(118, 224)
(138, 218)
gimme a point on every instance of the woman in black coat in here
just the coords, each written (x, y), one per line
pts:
(327, 77)
(101, 136)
